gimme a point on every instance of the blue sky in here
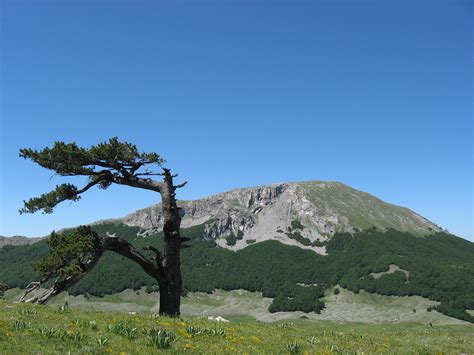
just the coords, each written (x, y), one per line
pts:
(375, 94)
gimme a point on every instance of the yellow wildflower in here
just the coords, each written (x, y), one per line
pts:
(255, 339)
(187, 347)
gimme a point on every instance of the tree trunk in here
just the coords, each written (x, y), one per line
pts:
(171, 286)
(170, 300)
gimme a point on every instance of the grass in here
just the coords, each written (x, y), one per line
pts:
(45, 330)
(362, 209)
(239, 305)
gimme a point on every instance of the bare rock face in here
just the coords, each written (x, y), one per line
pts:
(230, 212)
(302, 214)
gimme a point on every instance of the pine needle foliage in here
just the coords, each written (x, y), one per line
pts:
(67, 252)
(103, 164)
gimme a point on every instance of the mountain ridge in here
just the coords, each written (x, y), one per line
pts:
(320, 209)
(246, 215)
(18, 240)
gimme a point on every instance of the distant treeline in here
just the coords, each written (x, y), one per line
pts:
(441, 268)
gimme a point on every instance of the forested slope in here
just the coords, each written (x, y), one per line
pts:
(439, 267)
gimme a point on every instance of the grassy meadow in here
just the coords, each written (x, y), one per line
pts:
(58, 329)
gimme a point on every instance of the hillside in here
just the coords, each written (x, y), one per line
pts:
(439, 267)
(63, 330)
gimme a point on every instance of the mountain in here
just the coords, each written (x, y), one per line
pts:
(293, 242)
(17, 240)
(256, 214)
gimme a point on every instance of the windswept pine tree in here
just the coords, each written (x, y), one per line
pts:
(75, 253)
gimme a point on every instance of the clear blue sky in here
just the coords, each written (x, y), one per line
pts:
(375, 94)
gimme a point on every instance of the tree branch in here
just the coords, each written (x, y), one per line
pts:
(158, 258)
(30, 288)
(180, 185)
(117, 245)
(124, 248)
(147, 184)
(148, 174)
(63, 192)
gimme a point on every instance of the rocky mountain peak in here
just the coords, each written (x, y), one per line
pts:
(303, 214)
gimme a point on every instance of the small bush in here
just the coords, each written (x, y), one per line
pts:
(102, 341)
(123, 329)
(195, 331)
(28, 311)
(160, 339)
(22, 325)
(86, 324)
(64, 309)
(296, 224)
(150, 289)
(293, 347)
(3, 288)
(48, 332)
(231, 239)
(217, 332)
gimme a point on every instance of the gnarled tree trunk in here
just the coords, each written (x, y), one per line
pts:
(164, 268)
(172, 284)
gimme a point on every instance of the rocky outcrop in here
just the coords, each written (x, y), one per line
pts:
(229, 212)
(269, 212)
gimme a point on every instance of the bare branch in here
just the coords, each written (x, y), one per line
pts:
(180, 185)
(156, 251)
(148, 174)
(147, 184)
(158, 258)
(30, 288)
(124, 248)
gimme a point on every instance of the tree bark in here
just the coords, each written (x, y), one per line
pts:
(172, 285)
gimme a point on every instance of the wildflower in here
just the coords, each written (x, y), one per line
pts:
(232, 339)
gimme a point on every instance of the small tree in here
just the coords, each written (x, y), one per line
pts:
(75, 253)
(3, 288)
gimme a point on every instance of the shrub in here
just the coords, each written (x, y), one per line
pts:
(160, 339)
(296, 224)
(293, 347)
(3, 288)
(231, 239)
(151, 289)
(195, 331)
(123, 329)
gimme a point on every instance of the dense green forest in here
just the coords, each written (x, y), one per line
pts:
(441, 268)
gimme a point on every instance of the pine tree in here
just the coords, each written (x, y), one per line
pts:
(74, 254)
